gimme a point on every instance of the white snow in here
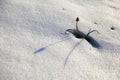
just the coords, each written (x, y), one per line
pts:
(34, 44)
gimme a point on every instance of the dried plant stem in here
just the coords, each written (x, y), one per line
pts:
(90, 32)
(77, 27)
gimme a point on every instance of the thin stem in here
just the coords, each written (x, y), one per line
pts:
(90, 33)
(77, 27)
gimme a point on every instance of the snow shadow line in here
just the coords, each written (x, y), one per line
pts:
(66, 60)
(44, 48)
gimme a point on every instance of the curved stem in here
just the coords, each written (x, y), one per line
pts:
(90, 33)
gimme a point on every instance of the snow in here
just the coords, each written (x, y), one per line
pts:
(34, 44)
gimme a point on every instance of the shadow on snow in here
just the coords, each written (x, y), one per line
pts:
(44, 48)
(82, 36)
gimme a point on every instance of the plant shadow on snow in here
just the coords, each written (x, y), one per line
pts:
(40, 50)
(91, 40)
(44, 48)
(71, 52)
(82, 35)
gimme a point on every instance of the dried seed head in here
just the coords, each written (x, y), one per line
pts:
(77, 19)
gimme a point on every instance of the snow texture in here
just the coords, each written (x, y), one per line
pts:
(34, 44)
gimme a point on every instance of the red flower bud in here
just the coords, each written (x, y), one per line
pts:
(77, 19)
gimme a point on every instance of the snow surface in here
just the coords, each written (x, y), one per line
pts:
(35, 46)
